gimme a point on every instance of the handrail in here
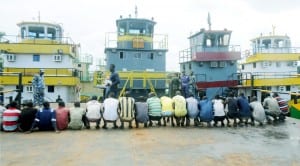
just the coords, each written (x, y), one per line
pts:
(16, 39)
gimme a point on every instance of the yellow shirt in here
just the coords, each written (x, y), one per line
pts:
(167, 103)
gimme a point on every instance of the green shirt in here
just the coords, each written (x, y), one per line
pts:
(154, 106)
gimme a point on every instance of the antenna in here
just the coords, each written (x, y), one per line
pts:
(209, 21)
(39, 16)
(273, 27)
(136, 12)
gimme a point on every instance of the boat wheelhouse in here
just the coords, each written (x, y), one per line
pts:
(212, 60)
(138, 54)
(40, 45)
(271, 66)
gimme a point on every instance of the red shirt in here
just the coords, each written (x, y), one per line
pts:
(62, 118)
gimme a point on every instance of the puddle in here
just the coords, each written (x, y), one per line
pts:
(276, 134)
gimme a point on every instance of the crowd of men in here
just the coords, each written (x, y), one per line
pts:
(178, 111)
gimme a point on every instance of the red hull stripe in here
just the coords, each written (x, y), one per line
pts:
(217, 56)
(231, 83)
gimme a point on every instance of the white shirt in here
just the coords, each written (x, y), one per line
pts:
(218, 107)
(93, 108)
(110, 106)
(258, 111)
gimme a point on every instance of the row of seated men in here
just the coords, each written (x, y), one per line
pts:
(177, 110)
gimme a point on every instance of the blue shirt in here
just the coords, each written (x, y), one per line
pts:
(206, 110)
(45, 117)
(244, 106)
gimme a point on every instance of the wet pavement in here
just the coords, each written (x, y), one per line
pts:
(270, 145)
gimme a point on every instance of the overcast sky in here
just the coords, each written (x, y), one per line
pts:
(87, 21)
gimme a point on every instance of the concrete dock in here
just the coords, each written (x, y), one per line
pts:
(270, 145)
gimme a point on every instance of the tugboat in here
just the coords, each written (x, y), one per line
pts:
(212, 60)
(40, 46)
(270, 66)
(138, 54)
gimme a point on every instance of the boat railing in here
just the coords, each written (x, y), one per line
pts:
(272, 50)
(274, 75)
(159, 41)
(49, 72)
(186, 55)
(33, 40)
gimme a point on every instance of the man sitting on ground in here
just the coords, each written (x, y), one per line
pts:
(110, 110)
(127, 109)
(93, 112)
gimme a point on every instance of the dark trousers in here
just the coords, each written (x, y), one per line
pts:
(219, 119)
(196, 121)
(154, 118)
(180, 120)
(129, 121)
(86, 122)
(109, 121)
(272, 114)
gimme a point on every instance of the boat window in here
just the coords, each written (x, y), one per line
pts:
(209, 40)
(138, 55)
(121, 55)
(122, 28)
(149, 30)
(36, 58)
(51, 33)
(23, 32)
(254, 65)
(137, 28)
(226, 39)
(50, 88)
(151, 56)
(288, 88)
(36, 32)
(266, 43)
(279, 43)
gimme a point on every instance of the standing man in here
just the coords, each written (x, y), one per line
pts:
(38, 88)
(115, 80)
(185, 83)
(193, 83)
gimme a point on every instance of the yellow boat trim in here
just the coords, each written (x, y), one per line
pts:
(273, 57)
(26, 80)
(134, 37)
(34, 48)
(48, 72)
(273, 82)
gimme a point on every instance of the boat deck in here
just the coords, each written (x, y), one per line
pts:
(270, 145)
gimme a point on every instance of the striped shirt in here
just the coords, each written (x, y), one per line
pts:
(126, 106)
(283, 105)
(154, 106)
(10, 119)
(2, 109)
